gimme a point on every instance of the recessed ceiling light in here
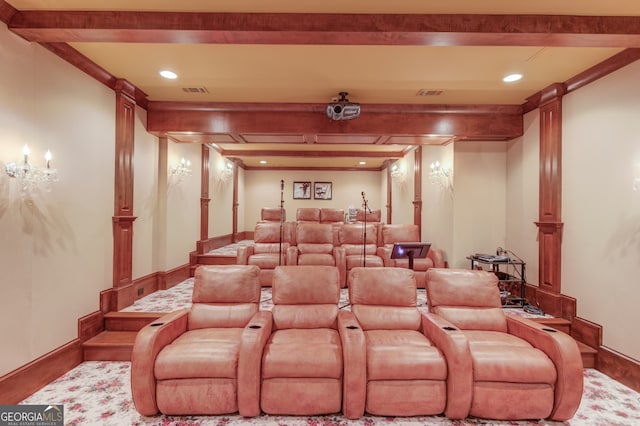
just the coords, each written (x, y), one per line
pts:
(362, 163)
(263, 161)
(169, 74)
(512, 77)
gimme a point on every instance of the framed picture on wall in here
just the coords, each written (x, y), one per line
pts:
(322, 190)
(301, 190)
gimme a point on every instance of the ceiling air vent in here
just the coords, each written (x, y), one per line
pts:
(195, 90)
(429, 92)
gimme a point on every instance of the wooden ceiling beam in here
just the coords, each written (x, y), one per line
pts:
(334, 29)
(315, 154)
(483, 123)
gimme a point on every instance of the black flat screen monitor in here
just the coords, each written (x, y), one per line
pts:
(410, 250)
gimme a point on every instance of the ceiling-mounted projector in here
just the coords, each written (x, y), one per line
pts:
(342, 109)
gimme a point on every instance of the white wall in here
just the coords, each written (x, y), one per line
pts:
(221, 194)
(523, 182)
(262, 189)
(145, 197)
(56, 249)
(183, 206)
(437, 201)
(600, 209)
(479, 200)
(402, 191)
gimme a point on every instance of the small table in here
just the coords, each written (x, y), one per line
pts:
(506, 279)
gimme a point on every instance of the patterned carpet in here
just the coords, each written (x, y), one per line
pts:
(99, 393)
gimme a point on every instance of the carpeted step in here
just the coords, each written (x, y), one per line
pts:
(216, 259)
(110, 346)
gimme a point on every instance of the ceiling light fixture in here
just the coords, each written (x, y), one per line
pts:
(512, 77)
(263, 161)
(362, 163)
(169, 74)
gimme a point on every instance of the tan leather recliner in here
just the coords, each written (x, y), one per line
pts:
(351, 237)
(308, 214)
(396, 233)
(329, 215)
(521, 369)
(311, 351)
(315, 246)
(265, 252)
(406, 373)
(205, 360)
(272, 214)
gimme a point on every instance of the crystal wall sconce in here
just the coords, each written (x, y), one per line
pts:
(30, 176)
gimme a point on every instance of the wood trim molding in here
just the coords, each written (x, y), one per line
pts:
(619, 367)
(24, 381)
(204, 246)
(6, 11)
(90, 325)
(586, 332)
(602, 69)
(170, 278)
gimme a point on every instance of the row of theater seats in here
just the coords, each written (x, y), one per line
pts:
(385, 357)
(345, 246)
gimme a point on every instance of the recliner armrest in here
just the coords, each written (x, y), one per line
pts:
(149, 342)
(565, 355)
(385, 254)
(455, 347)
(254, 338)
(354, 352)
(437, 256)
(243, 253)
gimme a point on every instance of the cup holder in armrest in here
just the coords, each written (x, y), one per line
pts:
(449, 328)
(353, 327)
(156, 324)
(550, 330)
(255, 327)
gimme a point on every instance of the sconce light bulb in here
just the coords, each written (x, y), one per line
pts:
(182, 161)
(26, 150)
(48, 156)
(188, 163)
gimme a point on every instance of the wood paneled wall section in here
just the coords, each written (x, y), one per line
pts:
(123, 191)
(417, 189)
(389, 204)
(205, 199)
(234, 207)
(550, 200)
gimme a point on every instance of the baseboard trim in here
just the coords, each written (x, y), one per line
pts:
(28, 379)
(204, 246)
(168, 279)
(620, 367)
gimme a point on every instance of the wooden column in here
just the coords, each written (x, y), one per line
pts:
(389, 205)
(234, 208)
(204, 196)
(550, 200)
(417, 189)
(123, 191)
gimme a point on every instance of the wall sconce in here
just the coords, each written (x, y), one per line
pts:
(397, 172)
(225, 171)
(180, 172)
(29, 175)
(440, 175)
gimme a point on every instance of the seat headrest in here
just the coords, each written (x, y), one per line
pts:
(272, 214)
(226, 284)
(384, 286)
(462, 287)
(306, 284)
(267, 232)
(308, 214)
(394, 233)
(352, 233)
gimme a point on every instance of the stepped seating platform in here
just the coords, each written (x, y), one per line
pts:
(116, 342)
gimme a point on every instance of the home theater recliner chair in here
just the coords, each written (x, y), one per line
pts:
(206, 359)
(521, 369)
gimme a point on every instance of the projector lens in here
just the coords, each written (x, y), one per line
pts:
(337, 109)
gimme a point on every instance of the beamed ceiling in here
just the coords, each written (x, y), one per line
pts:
(254, 77)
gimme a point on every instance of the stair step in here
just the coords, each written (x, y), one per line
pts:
(559, 324)
(211, 259)
(110, 346)
(129, 321)
(589, 355)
